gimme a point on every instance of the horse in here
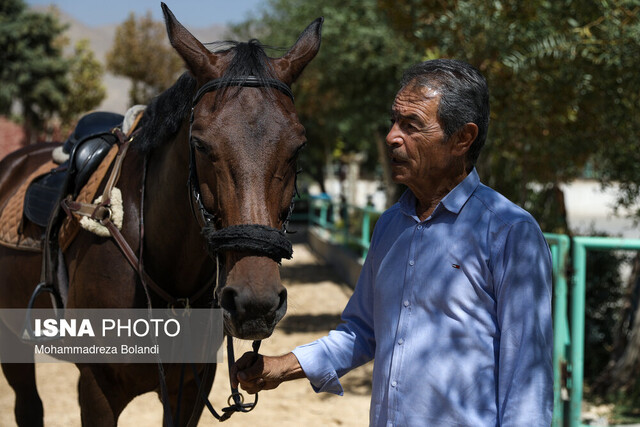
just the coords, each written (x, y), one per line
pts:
(211, 175)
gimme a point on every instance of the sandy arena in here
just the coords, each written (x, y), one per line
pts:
(316, 299)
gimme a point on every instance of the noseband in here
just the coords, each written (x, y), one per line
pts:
(253, 238)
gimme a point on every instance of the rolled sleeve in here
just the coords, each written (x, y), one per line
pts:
(350, 345)
(317, 367)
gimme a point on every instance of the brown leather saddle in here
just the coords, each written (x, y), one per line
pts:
(86, 148)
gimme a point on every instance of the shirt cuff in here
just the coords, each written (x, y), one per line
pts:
(318, 368)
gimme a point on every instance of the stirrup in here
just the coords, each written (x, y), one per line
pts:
(28, 335)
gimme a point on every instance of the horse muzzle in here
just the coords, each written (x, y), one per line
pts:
(253, 298)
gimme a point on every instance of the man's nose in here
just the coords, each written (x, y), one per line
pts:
(394, 136)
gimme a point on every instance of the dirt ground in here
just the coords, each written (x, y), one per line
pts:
(316, 299)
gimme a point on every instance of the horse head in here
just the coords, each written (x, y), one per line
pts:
(245, 137)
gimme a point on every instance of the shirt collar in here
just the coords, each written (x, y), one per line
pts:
(453, 202)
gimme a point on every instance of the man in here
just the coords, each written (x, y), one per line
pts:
(454, 298)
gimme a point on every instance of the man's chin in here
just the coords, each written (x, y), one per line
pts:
(398, 177)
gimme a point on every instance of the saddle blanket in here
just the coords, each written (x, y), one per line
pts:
(12, 230)
(11, 225)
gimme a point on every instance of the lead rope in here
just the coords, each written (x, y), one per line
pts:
(236, 399)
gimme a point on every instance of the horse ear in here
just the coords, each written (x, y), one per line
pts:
(198, 58)
(290, 66)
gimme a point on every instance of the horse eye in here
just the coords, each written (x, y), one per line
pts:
(297, 152)
(198, 145)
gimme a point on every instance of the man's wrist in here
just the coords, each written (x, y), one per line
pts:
(291, 368)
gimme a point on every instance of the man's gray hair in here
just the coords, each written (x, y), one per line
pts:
(464, 97)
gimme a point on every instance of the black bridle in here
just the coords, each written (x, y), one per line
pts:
(253, 238)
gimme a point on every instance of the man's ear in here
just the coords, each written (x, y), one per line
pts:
(463, 139)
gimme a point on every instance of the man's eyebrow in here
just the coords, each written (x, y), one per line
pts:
(395, 114)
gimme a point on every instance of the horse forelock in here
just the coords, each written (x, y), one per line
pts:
(249, 59)
(166, 112)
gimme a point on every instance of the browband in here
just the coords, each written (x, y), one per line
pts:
(245, 81)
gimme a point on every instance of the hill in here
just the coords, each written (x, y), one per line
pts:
(101, 38)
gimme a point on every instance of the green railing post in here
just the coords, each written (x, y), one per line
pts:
(578, 301)
(578, 306)
(559, 252)
(324, 208)
(365, 239)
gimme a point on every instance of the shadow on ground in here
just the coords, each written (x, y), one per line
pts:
(303, 273)
(293, 323)
(308, 274)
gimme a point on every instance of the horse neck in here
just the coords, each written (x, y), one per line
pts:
(174, 249)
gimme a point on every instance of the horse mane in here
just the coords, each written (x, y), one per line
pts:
(166, 112)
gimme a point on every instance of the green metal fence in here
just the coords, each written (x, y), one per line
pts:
(351, 226)
(348, 225)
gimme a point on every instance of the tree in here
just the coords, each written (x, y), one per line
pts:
(141, 52)
(33, 73)
(344, 95)
(564, 86)
(86, 90)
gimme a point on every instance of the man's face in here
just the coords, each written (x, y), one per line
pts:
(420, 157)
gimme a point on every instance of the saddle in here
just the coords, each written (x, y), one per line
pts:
(85, 148)
(36, 200)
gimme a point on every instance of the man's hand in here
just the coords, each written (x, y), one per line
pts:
(256, 373)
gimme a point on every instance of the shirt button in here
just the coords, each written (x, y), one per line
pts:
(400, 341)
(419, 227)
(411, 263)
(406, 303)
(393, 383)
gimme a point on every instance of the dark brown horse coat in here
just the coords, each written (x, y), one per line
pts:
(245, 142)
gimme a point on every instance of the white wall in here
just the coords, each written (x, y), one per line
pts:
(589, 207)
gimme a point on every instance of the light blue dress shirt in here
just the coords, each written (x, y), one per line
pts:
(456, 312)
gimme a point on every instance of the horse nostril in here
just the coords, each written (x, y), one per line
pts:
(283, 299)
(228, 299)
(241, 303)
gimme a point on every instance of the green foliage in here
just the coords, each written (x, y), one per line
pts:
(86, 90)
(546, 204)
(33, 72)
(563, 78)
(142, 53)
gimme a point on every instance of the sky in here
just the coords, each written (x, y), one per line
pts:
(191, 13)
